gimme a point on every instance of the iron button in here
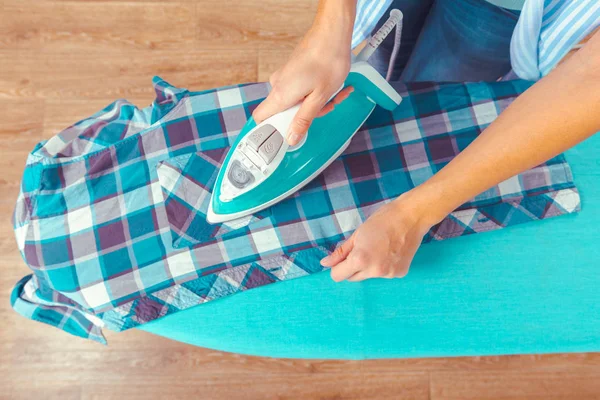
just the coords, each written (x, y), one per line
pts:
(259, 136)
(270, 147)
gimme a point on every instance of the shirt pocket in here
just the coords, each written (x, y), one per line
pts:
(187, 183)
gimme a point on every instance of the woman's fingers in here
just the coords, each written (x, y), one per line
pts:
(341, 96)
(309, 110)
(313, 106)
(339, 254)
(326, 110)
(278, 100)
(344, 270)
(274, 78)
(374, 272)
(360, 276)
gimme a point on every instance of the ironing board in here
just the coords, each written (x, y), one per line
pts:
(531, 288)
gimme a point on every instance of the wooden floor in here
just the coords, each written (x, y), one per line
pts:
(61, 61)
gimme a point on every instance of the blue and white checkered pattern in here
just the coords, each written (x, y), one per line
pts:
(111, 214)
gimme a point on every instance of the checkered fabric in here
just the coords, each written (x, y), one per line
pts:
(111, 214)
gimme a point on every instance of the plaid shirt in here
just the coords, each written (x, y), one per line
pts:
(111, 214)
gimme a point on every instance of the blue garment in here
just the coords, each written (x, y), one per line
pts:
(369, 12)
(508, 4)
(449, 40)
(466, 39)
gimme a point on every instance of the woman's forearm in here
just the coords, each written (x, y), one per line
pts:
(339, 9)
(336, 18)
(556, 113)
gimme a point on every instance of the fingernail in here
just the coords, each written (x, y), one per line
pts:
(293, 138)
(325, 261)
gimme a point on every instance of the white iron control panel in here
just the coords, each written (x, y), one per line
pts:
(256, 156)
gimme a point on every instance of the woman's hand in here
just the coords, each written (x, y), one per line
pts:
(384, 246)
(315, 71)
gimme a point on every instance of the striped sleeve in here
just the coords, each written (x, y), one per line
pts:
(547, 30)
(368, 13)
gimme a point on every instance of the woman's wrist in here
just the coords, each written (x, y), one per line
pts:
(427, 203)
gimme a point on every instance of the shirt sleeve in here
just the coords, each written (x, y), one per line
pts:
(368, 13)
(547, 30)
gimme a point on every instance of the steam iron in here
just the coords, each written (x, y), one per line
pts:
(261, 169)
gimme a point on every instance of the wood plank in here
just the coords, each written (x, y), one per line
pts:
(21, 128)
(203, 24)
(60, 390)
(118, 74)
(362, 386)
(12, 164)
(80, 26)
(256, 23)
(531, 385)
(8, 245)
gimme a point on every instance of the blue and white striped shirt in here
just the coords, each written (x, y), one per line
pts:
(546, 31)
(368, 13)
